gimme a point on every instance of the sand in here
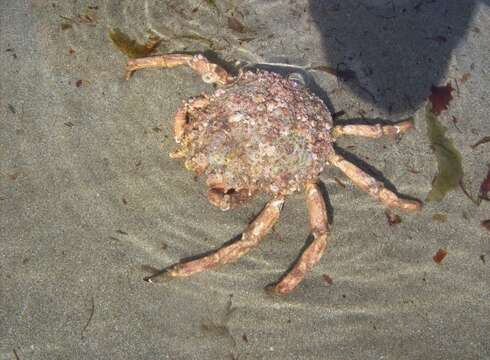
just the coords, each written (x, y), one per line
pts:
(90, 200)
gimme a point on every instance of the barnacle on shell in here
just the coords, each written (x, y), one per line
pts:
(262, 133)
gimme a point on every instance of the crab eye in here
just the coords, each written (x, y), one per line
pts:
(209, 78)
(297, 79)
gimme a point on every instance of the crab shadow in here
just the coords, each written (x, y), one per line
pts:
(395, 49)
(372, 171)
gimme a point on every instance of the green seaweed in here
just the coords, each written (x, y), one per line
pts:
(131, 47)
(449, 167)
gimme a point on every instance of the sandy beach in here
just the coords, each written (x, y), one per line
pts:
(91, 203)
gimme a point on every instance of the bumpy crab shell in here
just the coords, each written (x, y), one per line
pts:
(261, 133)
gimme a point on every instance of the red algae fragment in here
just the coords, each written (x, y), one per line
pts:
(485, 188)
(327, 279)
(440, 97)
(439, 256)
(235, 24)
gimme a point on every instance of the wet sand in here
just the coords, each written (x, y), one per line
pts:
(90, 200)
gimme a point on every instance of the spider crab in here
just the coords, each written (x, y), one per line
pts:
(260, 132)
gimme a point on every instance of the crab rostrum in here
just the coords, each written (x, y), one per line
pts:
(260, 132)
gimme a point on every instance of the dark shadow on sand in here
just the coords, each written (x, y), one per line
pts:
(396, 48)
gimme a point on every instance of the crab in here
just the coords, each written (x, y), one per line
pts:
(262, 133)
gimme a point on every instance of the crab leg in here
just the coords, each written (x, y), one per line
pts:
(315, 250)
(373, 131)
(255, 231)
(210, 73)
(182, 112)
(374, 188)
(179, 122)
